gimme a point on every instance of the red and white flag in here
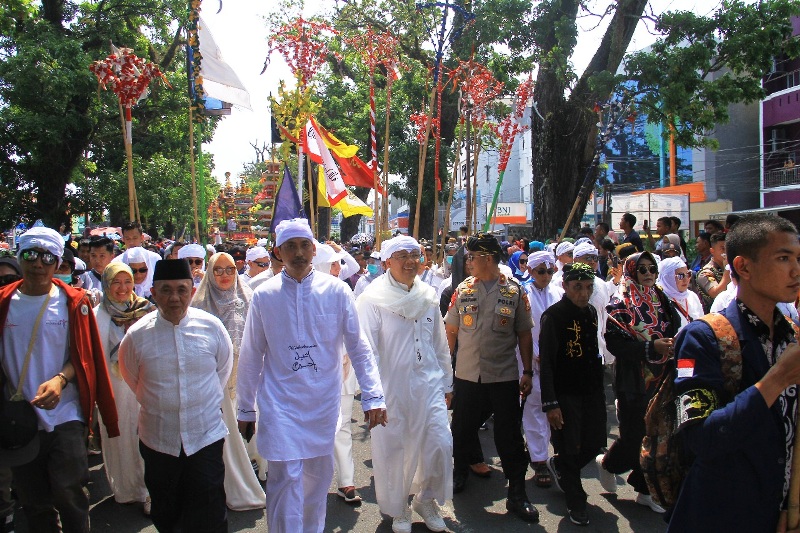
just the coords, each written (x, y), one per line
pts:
(314, 146)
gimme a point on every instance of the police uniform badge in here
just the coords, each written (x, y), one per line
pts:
(467, 320)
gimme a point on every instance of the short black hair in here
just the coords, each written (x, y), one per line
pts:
(586, 230)
(717, 237)
(464, 229)
(731, 219)
(751, 233)
(675, 222)
(133, 224)
(626, 250)
(608, 244)
(705, 236)
(665, 220)
(716, 223)
(630, 218)
(101, 242)
(604, 225)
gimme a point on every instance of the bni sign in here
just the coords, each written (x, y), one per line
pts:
(508, 213)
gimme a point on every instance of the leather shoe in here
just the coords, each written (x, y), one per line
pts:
(523, 509)
(459, 481)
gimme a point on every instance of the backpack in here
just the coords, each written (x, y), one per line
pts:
(663, 457)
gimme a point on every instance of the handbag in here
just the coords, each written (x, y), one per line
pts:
(19, 425)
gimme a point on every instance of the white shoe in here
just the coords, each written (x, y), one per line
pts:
(607, 479)
(402, 524)
(429, 512)
(646, 499)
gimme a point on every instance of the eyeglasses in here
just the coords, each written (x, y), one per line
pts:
(684, 275)
(219, 271)
(471, 257)
(642, 269)
(590, 258)
(260, 264)
(542, 271)
(198, 262)
(523, 261)
(142, 270)
(406, 257)
(32, 255)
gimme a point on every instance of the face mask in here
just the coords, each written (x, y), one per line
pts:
(449, 259)
(66, 278)
(373, 269)
(422, 259)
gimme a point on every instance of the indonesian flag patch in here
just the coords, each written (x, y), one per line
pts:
(685, 368)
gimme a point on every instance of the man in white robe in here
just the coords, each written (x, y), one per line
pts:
(413, 453)
(300, 325)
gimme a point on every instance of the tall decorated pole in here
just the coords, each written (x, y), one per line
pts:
(377, 49)
(128, 76)
(507, 130)
(439, 38)
(303, 45)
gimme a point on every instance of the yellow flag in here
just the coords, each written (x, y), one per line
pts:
(349, 205)
(335, 145)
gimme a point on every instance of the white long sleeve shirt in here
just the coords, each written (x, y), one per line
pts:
(178, 374)
(290, 363)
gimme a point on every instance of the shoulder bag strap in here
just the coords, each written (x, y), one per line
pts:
(18, 395)
(730, 351)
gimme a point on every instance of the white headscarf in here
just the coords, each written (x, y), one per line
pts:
(140, 255)
(401, 242)
(193, 250)
(44, 238)
(537, 258)
(584, 248)
(666, 280)
(292, 229)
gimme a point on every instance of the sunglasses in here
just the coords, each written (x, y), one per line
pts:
(198, 262)
(523, 261)
(543, 271)
(653, 269)
(7, 253)
(590, 258)
(219, 271)
(142, 270)
(260, 264)
(684, 276)
(32, 255)
(471, 257)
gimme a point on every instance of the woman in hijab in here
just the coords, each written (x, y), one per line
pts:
(674, 278)
(642, 322)
(518, 263)
(143, 264)
(671, 247)
(222, 294)
(119, 309)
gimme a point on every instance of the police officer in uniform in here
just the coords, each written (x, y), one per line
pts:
(489, 316)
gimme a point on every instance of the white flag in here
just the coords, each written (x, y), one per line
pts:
(315, 146)
(219, 79)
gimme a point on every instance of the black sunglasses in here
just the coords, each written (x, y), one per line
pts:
(32, 255)
(642, 269)
(260, 264)
(548, 271)
(198, 262)
(523, 261)
(142, 270)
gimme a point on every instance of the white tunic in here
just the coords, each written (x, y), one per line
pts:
(178, 374)
(413, 452)
(540, 300)
(290, 362)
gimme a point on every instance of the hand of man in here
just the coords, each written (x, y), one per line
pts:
(525, 385)
(375, 417)
(448, 399)
(555, 418)
(785, 372)
(783, 524)
(663, 347)
(48, 394)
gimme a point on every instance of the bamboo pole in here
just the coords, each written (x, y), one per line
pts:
(478, 146)
(193, 172)
(132, 210)
(423, 156)
(384, 212)
(312, 204)
(453, 176)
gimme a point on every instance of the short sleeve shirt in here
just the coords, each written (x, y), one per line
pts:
(488, 322)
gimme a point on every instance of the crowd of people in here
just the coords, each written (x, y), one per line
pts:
(201, 372)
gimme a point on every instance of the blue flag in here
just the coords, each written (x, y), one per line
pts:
(287, 202)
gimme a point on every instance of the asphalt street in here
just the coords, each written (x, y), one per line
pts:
(481, 507)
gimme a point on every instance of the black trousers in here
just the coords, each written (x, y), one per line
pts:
(469, 402)
(569, 470)
(187, 491)
(623, 455)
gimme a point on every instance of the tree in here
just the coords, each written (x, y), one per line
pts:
(61, 148)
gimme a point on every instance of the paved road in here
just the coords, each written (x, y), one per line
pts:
(480, 508)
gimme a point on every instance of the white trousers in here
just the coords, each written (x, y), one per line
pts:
(534, 421)
(297, 493)
(343, 444)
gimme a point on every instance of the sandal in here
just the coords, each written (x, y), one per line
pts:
(542, 475)
(481, 470)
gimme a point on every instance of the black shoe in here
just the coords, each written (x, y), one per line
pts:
(579, 517)
(523, 509)
(459, 481)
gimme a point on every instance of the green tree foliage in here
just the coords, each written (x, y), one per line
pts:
(61, 149)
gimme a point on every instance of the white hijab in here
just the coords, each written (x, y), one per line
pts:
(688, 300)
(140, 255)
